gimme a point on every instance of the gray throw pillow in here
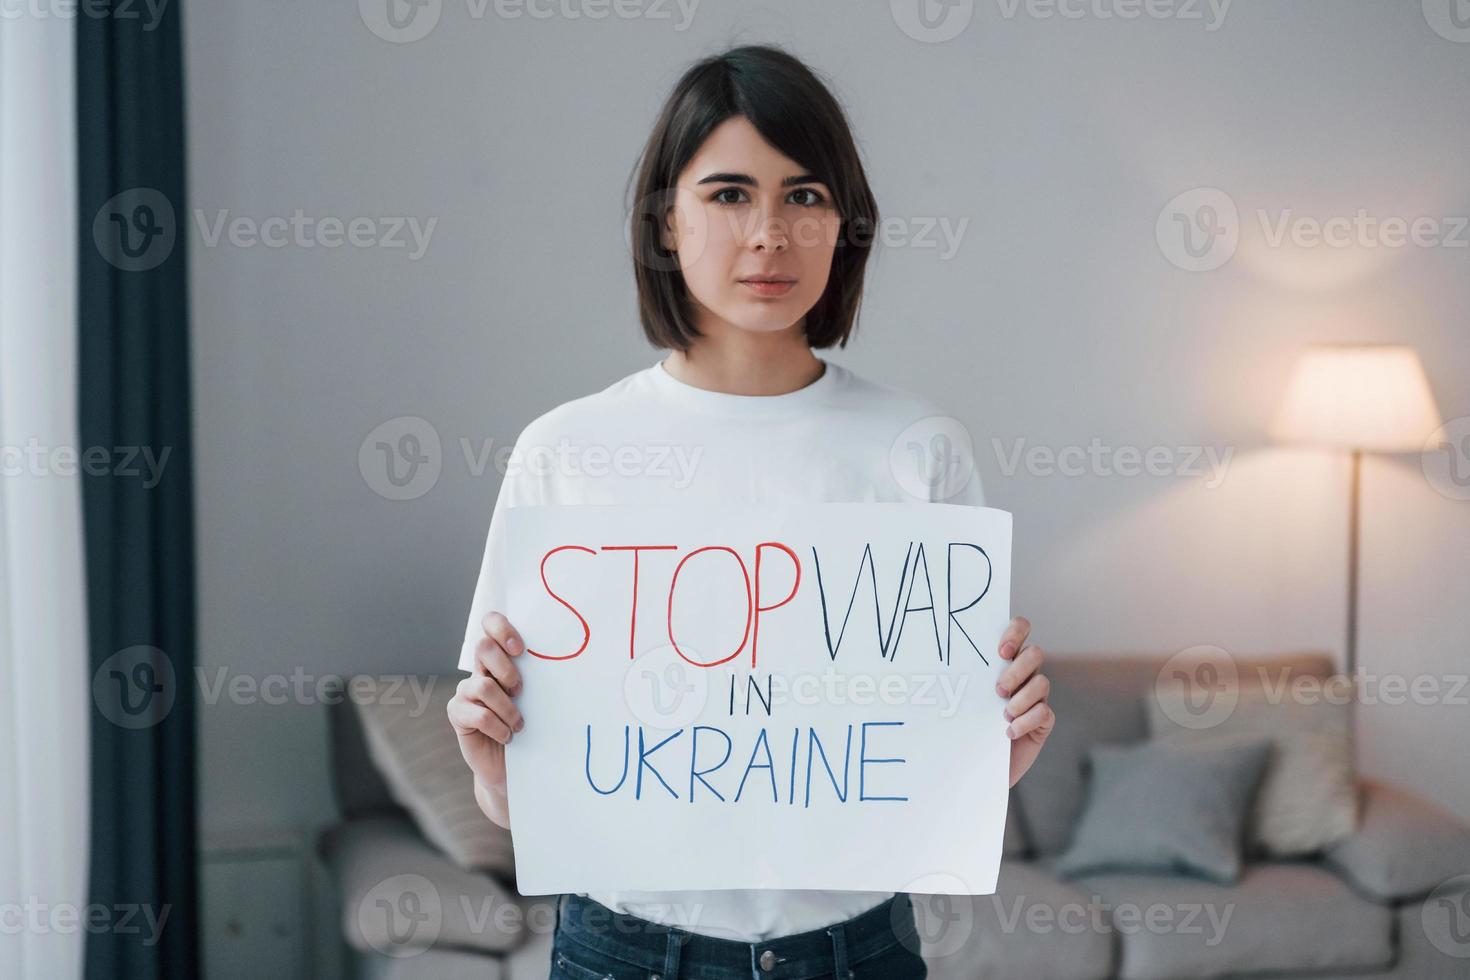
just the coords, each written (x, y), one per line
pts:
(412, 744)
(1167, 807)
(1308, 799)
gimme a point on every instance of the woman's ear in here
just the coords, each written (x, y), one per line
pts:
(668, 234)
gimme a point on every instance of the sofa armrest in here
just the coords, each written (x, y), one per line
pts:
(400, 894)
(1403, 847)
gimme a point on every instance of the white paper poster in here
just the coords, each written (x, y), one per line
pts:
(796, 697)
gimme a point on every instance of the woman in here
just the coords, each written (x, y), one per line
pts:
(750, 235)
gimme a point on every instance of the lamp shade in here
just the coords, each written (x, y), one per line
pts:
(1372, 397)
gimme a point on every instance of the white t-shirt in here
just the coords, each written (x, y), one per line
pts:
(651, 437)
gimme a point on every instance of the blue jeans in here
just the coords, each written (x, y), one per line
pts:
(592, 942)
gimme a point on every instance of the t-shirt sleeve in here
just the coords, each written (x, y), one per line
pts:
(517, 488)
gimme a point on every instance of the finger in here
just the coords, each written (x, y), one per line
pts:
(1032, 692)
(491, 658)
(487, 692)
(498, 628)
(1027, 662)
(1014, 637)
(1038, 717)
(468, 716)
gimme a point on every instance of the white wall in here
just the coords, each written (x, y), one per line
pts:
(1058, 321)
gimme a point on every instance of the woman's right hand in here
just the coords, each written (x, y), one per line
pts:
(482, 711)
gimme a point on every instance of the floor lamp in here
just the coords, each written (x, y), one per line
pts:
(1361, 398)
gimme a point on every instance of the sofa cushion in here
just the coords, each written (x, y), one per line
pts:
(1278, 918)
(1164, 806)
(401, 896)
(1308, 798)
(413, 746)
(1101, 699)
(1033, 926)
(1404, 846)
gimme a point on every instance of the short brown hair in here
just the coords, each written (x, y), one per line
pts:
(797, 114)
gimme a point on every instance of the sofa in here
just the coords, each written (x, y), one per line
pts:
(1391, 900)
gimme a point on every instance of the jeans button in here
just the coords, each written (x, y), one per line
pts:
(768, 960)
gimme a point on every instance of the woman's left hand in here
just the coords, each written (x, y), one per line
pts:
(1025, 688)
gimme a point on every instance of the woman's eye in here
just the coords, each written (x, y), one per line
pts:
(812, 198)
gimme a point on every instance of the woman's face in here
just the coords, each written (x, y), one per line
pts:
(743, 213)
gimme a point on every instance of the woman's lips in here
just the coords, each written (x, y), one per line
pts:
(768, 288)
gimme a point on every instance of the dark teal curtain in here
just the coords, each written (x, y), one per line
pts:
(133, 399)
